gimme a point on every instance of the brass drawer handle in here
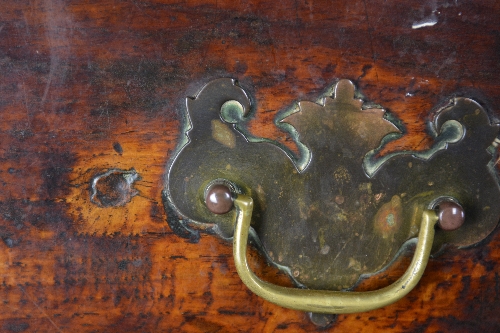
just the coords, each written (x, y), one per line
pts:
(337, 209)
(321, 301)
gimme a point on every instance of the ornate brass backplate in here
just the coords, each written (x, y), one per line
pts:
(336, 210)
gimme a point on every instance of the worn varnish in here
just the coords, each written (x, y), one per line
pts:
(90, 86)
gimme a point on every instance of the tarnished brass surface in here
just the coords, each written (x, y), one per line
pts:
(336, 210)
(324, 301)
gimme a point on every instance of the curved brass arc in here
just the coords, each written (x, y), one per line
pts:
(323, 301)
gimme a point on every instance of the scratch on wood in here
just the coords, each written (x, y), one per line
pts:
(39, 308)
(49, 81)
(374, 56)
(25, 101)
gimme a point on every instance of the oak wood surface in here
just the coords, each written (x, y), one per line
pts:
(88, 86)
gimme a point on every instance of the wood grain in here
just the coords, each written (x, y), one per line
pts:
(87, 86)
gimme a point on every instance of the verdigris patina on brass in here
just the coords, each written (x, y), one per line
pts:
(336, 210)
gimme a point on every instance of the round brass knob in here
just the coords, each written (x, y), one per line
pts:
(451, 215)
(219, 199)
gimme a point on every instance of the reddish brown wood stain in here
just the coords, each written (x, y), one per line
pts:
(79, 77)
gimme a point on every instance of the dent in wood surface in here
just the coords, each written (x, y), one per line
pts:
(114, 188)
